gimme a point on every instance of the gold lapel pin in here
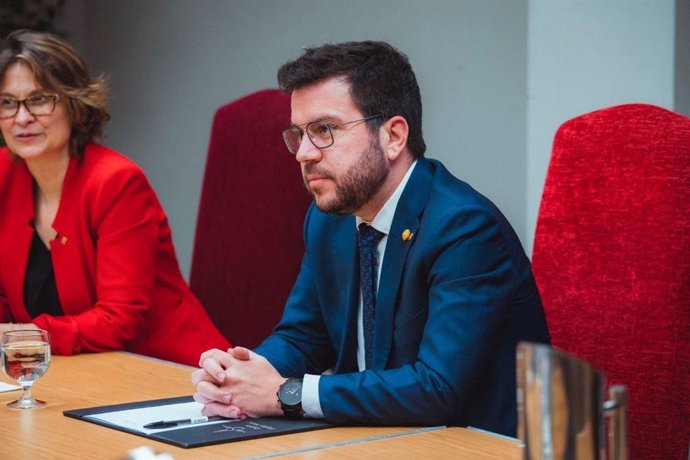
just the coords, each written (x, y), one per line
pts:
(63, 240)
(407, 234)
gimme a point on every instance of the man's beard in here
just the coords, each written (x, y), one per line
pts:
(358, 185)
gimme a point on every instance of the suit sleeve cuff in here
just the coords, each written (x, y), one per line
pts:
(64, 335)
(310, 396)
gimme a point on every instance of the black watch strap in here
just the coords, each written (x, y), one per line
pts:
(290, 398)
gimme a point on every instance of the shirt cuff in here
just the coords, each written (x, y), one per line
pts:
(310, 396)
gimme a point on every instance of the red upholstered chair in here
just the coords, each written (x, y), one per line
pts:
(248, 244)
(612, 261)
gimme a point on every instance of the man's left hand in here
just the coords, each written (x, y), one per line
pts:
(237, 380)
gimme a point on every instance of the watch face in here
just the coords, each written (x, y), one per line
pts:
(291, 392)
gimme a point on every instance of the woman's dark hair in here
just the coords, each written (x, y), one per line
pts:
(58, 68)
(381, 81)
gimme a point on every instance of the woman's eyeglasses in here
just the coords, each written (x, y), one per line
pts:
(36, 105)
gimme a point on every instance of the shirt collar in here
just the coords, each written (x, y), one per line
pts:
(384, 219)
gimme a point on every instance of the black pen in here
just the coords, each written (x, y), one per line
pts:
(185, 421)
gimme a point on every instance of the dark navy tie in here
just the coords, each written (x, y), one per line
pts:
(368, 240)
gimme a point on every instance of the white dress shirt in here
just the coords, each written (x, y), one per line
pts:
(311, 404)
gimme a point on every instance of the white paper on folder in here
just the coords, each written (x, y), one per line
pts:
(7, 387)
(135, 419)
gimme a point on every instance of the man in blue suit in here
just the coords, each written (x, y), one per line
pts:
(435, 343)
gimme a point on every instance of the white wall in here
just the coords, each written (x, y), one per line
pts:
(682, 57)
(589, 54)
(497, 76)
(173, 62)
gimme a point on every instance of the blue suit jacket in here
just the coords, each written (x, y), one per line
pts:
(453, 302)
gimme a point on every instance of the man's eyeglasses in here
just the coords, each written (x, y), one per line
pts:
(320, 133)
(36, 105)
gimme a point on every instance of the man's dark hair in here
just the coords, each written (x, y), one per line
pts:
(381, 79)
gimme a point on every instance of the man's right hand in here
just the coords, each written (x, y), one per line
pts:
(212, 365)
(238, 383)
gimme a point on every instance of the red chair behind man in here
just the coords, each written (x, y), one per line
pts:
(248, 244)
(612, 261)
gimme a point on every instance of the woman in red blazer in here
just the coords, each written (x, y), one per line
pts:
(85, 247)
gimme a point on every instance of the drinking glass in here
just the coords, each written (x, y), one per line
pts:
(25, 358)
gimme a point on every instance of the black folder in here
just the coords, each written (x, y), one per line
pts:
(202, 434)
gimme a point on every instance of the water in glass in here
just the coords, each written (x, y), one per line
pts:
(25, 358)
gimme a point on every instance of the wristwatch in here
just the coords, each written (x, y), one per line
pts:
(290, 398)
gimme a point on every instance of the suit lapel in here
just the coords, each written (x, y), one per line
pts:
(345, 291)
(19, 229)
(401, 238)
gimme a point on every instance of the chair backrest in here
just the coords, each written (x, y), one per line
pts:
(612, 262)
(248, 244)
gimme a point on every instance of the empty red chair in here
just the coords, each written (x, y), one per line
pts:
(612, 262)
(248, 244)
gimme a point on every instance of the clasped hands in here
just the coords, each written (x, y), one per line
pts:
(237, 384)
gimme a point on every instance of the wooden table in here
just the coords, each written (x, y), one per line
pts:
(89, 380)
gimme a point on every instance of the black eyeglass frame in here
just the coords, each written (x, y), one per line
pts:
(300, 132)
(19, 102)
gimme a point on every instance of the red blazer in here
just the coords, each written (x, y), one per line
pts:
(116, 272)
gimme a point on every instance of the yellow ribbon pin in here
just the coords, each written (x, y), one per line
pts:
(407, 234)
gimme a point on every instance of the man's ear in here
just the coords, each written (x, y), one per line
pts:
(394, 136)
